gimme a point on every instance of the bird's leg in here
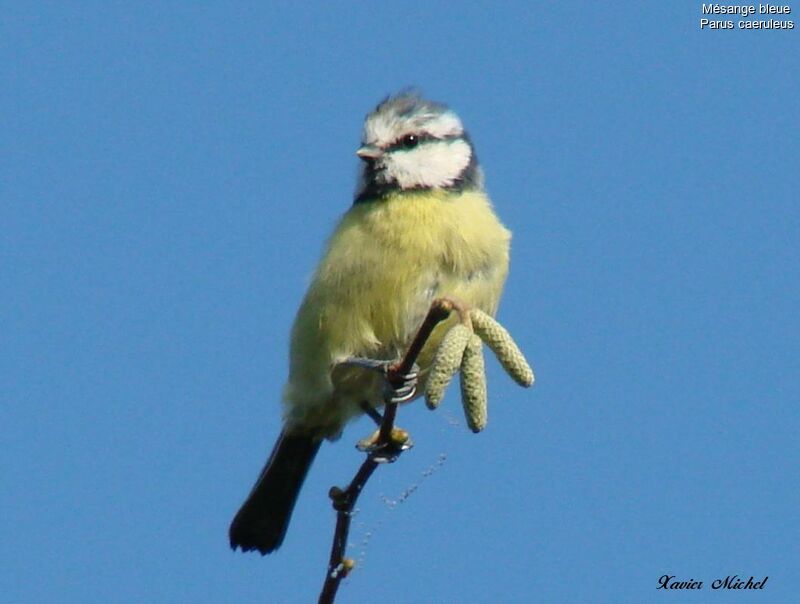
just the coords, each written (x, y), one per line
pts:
(398, 387)
(386, 445)
(400, 384)
(372, 412)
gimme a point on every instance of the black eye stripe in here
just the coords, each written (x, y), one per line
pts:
(421, 138)
(403, 141)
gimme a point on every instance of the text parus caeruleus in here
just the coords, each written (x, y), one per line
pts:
(421, 227)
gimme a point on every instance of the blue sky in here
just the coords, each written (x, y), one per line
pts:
(169, 173)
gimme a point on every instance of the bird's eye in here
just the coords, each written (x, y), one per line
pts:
(409, 141)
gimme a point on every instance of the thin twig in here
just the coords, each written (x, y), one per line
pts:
(344, 501)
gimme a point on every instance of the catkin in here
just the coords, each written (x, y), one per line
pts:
(473, 385)
(446, 363)
(503, 346)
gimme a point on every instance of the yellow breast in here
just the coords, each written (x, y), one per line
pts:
(384, 264)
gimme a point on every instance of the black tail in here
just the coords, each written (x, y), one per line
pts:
(263, 519)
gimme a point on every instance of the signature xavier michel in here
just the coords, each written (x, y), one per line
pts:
(729, 582)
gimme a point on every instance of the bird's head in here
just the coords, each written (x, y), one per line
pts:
(411, 143)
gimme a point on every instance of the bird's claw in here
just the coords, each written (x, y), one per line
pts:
(398, 387)
(386, 451)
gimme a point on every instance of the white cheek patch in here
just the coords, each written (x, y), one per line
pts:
(431, 164)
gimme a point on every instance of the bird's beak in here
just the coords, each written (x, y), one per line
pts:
(369, 152)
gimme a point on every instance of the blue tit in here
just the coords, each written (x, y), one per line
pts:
(421, 227)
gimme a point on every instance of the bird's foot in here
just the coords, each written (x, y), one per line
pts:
(398, 387)
(386, 445)
(386, 451)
